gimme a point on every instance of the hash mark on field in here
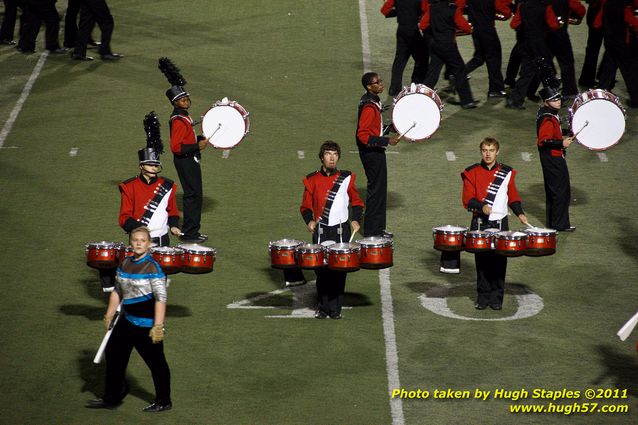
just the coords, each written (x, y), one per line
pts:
(603, 157)
(388, 152)
(450, 156)
(226, 153)
(301, 154)
(9, 147)
(527, 157)
(73, 152)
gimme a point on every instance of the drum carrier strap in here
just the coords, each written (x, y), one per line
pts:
(152, 205)
(330, 197)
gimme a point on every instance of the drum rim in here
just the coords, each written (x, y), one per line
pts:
(208, 250)
(167, 250)
(311, 249)
(436, 229)
(103, 245)
(274, 244)
(344, 248)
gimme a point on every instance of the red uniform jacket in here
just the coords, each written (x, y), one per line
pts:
(138, 197)
(316, 188)
(476, 180)
(550, 134)
(459, 20)
(183, 137)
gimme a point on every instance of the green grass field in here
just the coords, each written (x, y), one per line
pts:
(296, 67)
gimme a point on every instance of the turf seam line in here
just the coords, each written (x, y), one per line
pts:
(8, 125)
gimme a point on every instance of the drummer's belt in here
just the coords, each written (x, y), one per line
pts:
(151, 206)
(493, 188)
(332, 193)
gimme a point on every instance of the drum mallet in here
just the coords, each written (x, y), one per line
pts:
(406, 131)
(216, 130)
(581, 129)
(628, 327)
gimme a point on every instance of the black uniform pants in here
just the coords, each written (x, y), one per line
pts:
(410, 42)
(448, 54)
(557, 190)
(124, 338)
(590, 63)
(92, 12)
(375, 166)
(71, 23)
(561, 47)
(331, 284)
(487, 49)
(619, 55)
(190, 177)
(528, 76)
(37, 12)
(9, 20)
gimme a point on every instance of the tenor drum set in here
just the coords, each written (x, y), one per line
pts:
(532, 242)
(187, 258)
(366, 253)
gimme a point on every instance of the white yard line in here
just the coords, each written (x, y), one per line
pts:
(387, 310)
(8, 125)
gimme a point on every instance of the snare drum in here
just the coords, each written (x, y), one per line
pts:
(510, 244)
(225, 124)
(124, 251)
(101, 255)
(376, 253)
(599, 117)
(479, 241)
(540, 242)
(170, 259)
(197, 259)
(448, 237)
(344, 257)
(282, 253)
(311, 256)
(417, 112)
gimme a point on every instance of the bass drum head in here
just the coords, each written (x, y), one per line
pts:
(416, 108)
(225, 126)
(606, 124)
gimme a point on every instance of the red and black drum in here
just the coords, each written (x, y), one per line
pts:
(124, 251)
(540, 242)
(102, 255)
(510, 243)
(376, 252)
(197, 259)
(479, 241)
(448, 237)
(344, 257)
(169, 258)
(283, 253)
(311, 256)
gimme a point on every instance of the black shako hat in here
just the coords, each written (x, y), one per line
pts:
(154, 147)
(549, 93)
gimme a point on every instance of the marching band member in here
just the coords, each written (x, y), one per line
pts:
(487, 45)
(532, 20)
(141, 288)
(372, 144)
(147, 199)
(410, 41)
(324, 208)
(441, 19)
(551, 149)
(186, 147)
(488, 189)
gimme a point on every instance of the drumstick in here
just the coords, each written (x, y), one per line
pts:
(352, 237)
(406, 131)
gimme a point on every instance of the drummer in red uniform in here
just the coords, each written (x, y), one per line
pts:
(147, 199)
(324, 208)
(488, 190)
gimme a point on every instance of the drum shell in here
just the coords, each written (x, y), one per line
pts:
(102, 255)
(505, 243)
(169, 259)
(344, 257)
(282, 253)
(197, 261)
(376, 253)
(540, 243)
(446, 239)
(123, 252)
(479, 241)
(311, 257)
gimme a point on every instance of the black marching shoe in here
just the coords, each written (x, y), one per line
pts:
(480, 306)
(81, 58)
(569, 229)
(111, 57)
(335, 316)
(470, 105)
(319, 314)
(496, 306)
(512, 105)
(99, 403)
(193, 239)
(58, 51)
(157, 407)
(496, 94)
